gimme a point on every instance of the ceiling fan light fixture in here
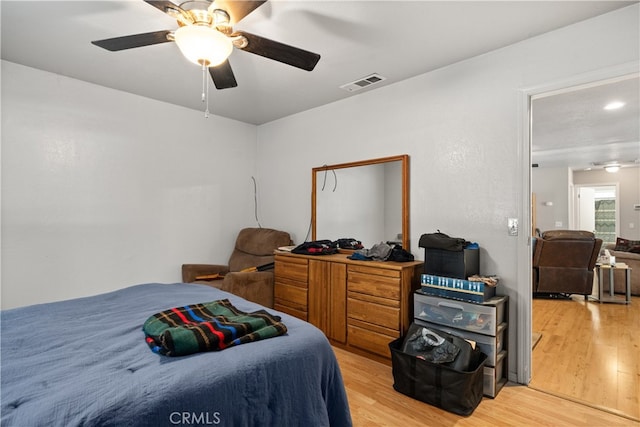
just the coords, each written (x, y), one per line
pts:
(203, 45)
(612, 168)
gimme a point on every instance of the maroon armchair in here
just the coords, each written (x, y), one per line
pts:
(254, 248)
(563, 262)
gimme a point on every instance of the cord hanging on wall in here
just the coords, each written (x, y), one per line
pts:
(335, 179)
(255, 201)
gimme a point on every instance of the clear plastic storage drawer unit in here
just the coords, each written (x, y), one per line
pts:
(489, 345)
(482, 318)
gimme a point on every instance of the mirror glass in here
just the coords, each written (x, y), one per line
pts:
(366, 200)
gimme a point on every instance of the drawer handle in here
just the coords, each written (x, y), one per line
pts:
(450, 305)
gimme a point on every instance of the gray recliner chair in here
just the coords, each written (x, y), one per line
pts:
(242, 275)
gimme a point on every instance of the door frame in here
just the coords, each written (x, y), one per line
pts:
(523, 287)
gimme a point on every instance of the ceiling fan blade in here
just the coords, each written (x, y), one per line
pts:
(280, 52)
(238, 9)
(136, 40)
(165, 6)
(222, 76)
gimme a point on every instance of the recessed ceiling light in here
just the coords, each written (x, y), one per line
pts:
(614, 105)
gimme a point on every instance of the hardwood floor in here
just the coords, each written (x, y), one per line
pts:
(374, 402)
(589, 352)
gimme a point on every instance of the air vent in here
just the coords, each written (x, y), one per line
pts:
(362, 83)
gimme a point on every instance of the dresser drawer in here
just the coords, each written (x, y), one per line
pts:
(376, 282)
(370, 340)
(388, 317)
(489, 345)
(291, 268)
(479, 318)
(293, 296)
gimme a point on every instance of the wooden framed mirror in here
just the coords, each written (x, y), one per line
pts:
(366, 200)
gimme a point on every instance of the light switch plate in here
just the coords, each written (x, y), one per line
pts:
(512, 224)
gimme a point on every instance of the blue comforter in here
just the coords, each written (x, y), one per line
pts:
(85, 362)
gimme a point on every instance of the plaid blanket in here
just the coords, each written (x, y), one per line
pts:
(208, 326)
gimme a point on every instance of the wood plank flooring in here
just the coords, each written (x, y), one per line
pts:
(589, 352)
(374, 402)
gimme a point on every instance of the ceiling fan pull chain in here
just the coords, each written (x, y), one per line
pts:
(205, 89)
(206, 112)
(204, 77)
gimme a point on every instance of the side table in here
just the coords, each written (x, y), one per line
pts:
(611, 297)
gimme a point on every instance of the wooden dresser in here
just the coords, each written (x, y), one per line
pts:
(361, 306)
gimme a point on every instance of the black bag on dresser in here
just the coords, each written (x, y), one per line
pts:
(316, 247)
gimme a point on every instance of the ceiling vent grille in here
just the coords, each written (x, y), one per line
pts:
(364, 82)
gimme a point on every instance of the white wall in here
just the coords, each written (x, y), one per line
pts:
(459, 124)
(551, 185)
(102, 189)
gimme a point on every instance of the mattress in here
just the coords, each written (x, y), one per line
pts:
(85, 362)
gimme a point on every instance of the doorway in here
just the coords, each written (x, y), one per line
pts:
(597, 211)
(527, 127)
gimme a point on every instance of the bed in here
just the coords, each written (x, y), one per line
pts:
(85, 362)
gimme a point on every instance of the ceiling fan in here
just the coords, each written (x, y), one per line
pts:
(206, 37)
(615, 165)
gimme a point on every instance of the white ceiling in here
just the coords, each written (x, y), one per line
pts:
(396, 39)
(573, 129)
